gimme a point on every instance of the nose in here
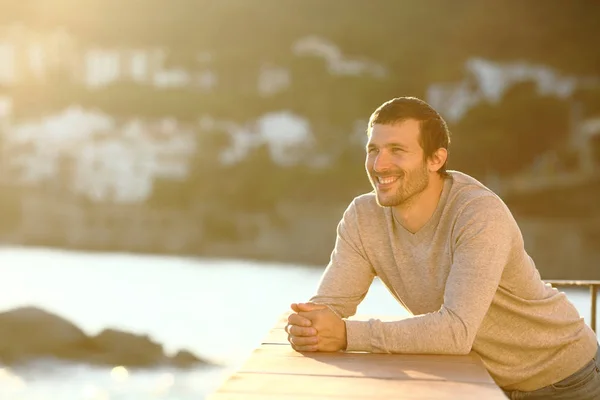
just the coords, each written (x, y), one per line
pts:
(382, 162)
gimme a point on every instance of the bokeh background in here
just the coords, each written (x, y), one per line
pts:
(178, 167)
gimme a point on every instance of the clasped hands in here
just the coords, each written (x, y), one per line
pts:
(314, 327)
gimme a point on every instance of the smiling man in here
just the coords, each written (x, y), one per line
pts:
(450, 251)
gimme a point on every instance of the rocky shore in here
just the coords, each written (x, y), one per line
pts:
(31, 334)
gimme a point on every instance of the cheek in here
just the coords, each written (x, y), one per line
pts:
(409, 164)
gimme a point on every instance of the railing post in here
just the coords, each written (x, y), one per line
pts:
(593, 293)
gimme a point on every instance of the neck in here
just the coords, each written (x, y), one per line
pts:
(415, 212)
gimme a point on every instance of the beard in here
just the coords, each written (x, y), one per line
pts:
(408, 186)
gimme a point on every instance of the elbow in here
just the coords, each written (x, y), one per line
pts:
(460, 345)
(465, 344)
(463, 341)
(463, 336)
(464, 348)
(458, 348)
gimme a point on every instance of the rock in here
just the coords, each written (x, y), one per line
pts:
(29, 333)
(185, 359)
(123, 348)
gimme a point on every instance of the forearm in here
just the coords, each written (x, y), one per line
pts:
(349, 274)
(442, 332)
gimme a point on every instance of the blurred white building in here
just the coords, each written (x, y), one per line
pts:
(337, 62)
(486, 80)
(32, 56)
(96, 157)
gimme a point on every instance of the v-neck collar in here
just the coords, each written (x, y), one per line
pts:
(431, 223)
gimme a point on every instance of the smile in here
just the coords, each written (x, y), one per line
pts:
(387, 179)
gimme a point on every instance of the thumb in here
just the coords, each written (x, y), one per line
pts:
(308, 307)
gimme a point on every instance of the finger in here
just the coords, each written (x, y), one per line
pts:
(296, 330)
(303, 341)
(295, 319)
(300, 330)
(305, 348)
(310, 307)
(312, 315)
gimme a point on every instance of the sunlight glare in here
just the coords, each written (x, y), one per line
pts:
(119, 374)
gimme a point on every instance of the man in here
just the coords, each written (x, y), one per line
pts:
(451, 253)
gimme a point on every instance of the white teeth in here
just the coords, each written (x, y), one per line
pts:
(388, 179)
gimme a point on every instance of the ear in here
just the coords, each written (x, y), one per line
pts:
(437, 159)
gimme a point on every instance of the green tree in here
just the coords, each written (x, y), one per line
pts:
(506, 137)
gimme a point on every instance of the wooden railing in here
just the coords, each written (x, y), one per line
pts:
(275, 371)
(593, 285)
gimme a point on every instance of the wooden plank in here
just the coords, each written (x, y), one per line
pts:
(264, 396)
(284, 360)
(279, 338)
(276, 371)
(308, 386)
(287, 351)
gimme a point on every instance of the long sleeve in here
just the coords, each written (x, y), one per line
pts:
(485, 239)
(349, 273)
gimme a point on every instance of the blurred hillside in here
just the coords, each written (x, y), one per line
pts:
(235, 128)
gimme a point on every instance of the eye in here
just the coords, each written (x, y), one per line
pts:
(397, 150)
(372, 150)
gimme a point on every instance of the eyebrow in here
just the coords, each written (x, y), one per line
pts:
(388, 145)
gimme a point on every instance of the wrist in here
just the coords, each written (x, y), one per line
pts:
(358, 336)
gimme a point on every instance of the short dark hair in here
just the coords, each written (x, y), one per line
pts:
(434, 132)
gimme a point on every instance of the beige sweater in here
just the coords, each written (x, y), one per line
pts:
(469, 283)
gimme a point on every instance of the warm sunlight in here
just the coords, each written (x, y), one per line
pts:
(211, 200)
(119, 374)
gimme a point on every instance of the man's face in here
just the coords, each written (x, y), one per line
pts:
(395, 163)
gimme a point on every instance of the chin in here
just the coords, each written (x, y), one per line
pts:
(384, 201)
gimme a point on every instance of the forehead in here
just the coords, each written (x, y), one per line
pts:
(405, 132)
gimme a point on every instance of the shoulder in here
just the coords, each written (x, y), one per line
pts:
(470, 200)
(468, 193)
(365, 205)
(365, 201)
(364, 213)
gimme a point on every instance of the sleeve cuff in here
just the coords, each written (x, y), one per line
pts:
(358, 336)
